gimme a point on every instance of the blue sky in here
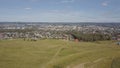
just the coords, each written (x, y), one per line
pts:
(60, 10)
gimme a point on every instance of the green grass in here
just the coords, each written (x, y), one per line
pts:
(57, 54)
(115, 63)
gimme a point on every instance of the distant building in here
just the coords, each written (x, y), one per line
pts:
(118, 37)
(114, 38)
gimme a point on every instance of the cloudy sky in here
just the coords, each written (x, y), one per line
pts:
(60, 10)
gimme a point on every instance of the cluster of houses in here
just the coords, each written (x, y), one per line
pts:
(55, 31)
(33, 36)
(116, 37)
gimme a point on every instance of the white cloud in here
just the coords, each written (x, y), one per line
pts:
(105, 3)
(63, 16)
(60, 16)
(27, 8)
(67, 1)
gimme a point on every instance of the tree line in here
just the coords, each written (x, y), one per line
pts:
(90, 37)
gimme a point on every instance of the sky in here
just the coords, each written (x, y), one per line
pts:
(59, 10)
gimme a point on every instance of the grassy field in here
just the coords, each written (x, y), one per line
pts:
(51, 53)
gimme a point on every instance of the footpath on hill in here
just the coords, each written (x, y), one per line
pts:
(82, 65)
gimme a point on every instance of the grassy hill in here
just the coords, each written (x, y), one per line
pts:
(58, 54)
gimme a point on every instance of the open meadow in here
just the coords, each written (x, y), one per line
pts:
(52, 53)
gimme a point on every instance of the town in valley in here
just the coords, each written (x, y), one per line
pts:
(66, 31)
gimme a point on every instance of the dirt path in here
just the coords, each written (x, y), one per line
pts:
(83, 64)
(54, 56)
(80, 65)
(57, 53)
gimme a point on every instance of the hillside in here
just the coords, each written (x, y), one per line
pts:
(58, 54)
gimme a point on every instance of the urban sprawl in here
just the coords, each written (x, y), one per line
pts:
(66, 31)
